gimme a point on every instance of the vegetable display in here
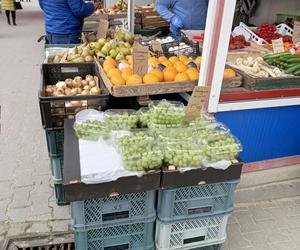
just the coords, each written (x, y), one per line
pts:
(92, 130)
(269, 32)
(285, 61)
(238, 42)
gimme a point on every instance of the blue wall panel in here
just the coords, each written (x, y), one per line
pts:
(266, 133)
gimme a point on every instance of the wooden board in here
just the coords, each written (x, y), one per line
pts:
(146, 89)
(96, 18)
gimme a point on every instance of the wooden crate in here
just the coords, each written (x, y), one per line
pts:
(233, 82)
(146, 89)
(150, 18)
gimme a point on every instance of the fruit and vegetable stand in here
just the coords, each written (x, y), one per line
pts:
(159, 173)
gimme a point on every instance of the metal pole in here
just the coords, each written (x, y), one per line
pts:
(130, 16)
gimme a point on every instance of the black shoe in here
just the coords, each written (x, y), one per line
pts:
(14, 24)
(8, 22)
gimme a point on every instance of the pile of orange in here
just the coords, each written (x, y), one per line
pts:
(161, 69)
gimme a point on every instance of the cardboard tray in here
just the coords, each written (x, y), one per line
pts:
(174, 178)
(75, 190)
(146, 89)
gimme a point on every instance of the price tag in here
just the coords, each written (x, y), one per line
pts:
(296, 34)
(196, 102)
(278, 45)
(156, 46)
(140, 59)
(102, 28)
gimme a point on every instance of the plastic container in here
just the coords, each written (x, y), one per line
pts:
(184, 154)
(92, 130)
(284, 30)
(57, 167)
(143, 114)
(55, 142)
(190, 234)
(121, 119)
(115, 209)
(133, 235)
(244, 30)
(196, 201)
(175, 134)
(54, 109)
(167, 113)
(59, 193)
(211, 247)
(220, 146)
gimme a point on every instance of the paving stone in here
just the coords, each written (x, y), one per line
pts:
(294, 234)
(6, 192)
(38, 228)
(285, 246)
(23, 178)
(61, 213)
(20, 197)
(18, 214)
(236, 239)
(3, 208)
(259, 213)
(17, 229)
(276, 236)
(293, 210)
(60, 226)
(3, 228)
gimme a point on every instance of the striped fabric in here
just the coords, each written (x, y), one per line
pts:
(8, 5)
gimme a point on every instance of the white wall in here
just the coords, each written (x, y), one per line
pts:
(109, 3)
(268, 9)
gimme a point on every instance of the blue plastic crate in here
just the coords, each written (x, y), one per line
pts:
(212, 247)
(59, 193)
(191, 234)
(196, 201)
(57, 167)
(114, 209)
(55, 141)
(132, 235)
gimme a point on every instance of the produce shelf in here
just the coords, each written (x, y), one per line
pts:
(75, 190)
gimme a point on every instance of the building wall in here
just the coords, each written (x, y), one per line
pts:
(267, 10)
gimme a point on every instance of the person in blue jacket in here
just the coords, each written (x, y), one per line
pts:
(64, 19)
(183, 14)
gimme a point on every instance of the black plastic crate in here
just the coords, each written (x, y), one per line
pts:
(55, 141)
(55, 109)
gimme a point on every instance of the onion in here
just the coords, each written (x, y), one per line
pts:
(79, 90)
(60, 84)
(84, 83)
(67, 91)
(73, 92)
(49, 91)
(69, 83)
(95, 91)
(76, 84)
(87, 87)
(89, 78)
(85, 92)
(92, 83)
(78, 79)
(60, 90)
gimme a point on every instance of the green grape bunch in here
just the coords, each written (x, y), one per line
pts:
(122, 121)
(92, 130)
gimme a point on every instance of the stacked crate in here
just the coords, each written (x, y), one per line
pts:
(55, 109)
(194, 217)
(120, 222)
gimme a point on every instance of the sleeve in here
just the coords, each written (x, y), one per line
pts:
(41, 4)
(81, 9)
(163, 8)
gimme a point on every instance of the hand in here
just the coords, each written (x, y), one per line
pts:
(97, 5)
(176, 22)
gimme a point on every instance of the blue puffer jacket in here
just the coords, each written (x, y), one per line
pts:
(192, 12)
(65, 16)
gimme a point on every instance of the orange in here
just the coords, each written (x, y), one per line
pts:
(193, 74)
(229, 73)
(153, 61)
(113, 72)
(162, 59)
(150, 78)
(198, 61)
(108, 67)
(167, 63)
(130, 59)
(118, 80)
(169, 74)
(180, 67)
(183, 58)
(134, 79)
(158, 73)
(180, 77)
(186, 62)
(127, 70)
(126, 75)
(173, 59)
(110, 61)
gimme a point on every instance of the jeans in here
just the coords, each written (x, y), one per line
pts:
(63, 39)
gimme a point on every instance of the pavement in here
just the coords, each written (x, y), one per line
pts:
(27, 199)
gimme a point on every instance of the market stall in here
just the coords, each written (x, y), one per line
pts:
(146, 130)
